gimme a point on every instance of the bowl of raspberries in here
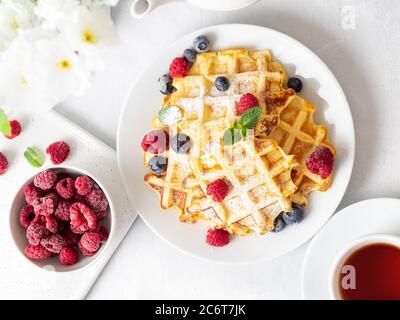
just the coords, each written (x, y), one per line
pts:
(62, 217)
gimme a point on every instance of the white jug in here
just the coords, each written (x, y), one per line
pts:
(141, 8)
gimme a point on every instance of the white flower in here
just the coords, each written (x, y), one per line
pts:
(14, 16)
(17, 81)
(56, 13)
(90, 29)
(60, 70)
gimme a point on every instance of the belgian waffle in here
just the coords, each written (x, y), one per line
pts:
(259, 176)
(298, 135)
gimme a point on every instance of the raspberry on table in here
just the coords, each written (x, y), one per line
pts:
(54, 243)
(178, 68)
(82, 218)
(36, 252)
(58, 151)
(44, 206)
(103, 232)
(66, 188)
(15, 129)
(91, 241)
(3, 164)
(26, 216)
(218, 190)
(68, 256)
(70, 238)
(155, 142)
(35, 233)
(83, 185)
(84, 251)
(52, 224)
(97, 200)
(246, 102)
(32, 193)
(45, 180)
(217, 237)
(62, 210)
(321, 162)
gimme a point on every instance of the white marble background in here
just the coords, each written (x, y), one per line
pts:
(358, 39)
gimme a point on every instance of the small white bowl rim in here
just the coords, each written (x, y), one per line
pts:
(349, 249)
(110, 203)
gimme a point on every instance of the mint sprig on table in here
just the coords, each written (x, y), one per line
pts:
(33, 157)
(248, 120)
(5, 127)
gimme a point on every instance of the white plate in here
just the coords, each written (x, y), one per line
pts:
(357, 220)
(321, 87)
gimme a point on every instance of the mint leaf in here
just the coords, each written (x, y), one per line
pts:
(237, 125)
(5, 127)
(33, 157)
(250, 117)
(170, 115)
(231, 136)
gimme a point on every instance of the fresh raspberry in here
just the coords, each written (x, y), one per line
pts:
(52, 224)
(36, 252)
(103, 232)
(62, 210)
(91, 241)
(39, 219)
(83, 185)
(44, 206)
(65, 188)
(32, 193)
(45, 180)
(97, 200)
(321, 162)
(58, 151)
(84, 251)
(178, 68)
(35, 233)
(3, 164)
(218, 190)
(15, 129)
(217, 237)
(82, 218)
(54, 243)
(26, 216)
(100, 215)
(55, 197)
(70, 238)
(155, 142)
(246, 102)
(69, 256)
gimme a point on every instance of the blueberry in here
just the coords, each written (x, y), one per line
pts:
(201, 44)
(181, 143)
(279, 225)
(165, 84)
(222, 83)
(190, 55)
(158, 165)
(295, 84)
(293, 217)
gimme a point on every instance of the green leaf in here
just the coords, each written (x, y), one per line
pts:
(250, 117)
(170, 115)
(5, 127)
(237, 125)
(33, 157)
(231, 136)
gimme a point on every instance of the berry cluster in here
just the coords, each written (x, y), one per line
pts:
(62, 217)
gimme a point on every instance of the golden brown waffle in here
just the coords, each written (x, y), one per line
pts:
(260, 177)
(298, 135)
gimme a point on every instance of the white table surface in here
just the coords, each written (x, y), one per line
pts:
(365, 59)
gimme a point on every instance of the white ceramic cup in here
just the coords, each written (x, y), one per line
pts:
(141, 8)
(346, 252)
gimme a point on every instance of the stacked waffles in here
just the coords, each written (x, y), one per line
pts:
(233, 145)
